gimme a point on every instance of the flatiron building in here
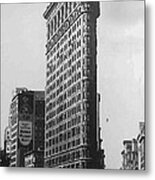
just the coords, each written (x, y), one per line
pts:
(71, 127)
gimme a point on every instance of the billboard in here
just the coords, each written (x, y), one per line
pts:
(26, 103)
(25, 118)
(25, 132)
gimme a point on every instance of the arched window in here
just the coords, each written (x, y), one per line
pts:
(70, 7)
(58, 19)
(66, 9)
(62, 14)
(48, 31)
(55, 23)
(51, 27)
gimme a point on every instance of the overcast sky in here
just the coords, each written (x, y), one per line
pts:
(120, 60)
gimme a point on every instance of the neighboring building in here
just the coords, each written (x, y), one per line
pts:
(34, 159)
(133, 154)
(141, 142)
(27, 124)
(7, 140)
(126, 154)
(7, 145)
(72, 133)
(6, 152)
(2, 158)
(101, 155)
(130, 155)
(36, 154)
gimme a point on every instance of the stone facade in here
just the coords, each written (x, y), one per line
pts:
(71, 85)
(133, 155)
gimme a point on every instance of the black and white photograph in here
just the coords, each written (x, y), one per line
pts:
(73, 85)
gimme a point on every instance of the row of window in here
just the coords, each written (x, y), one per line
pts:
(68, 64)
(74, 121)
(62, 69)
(13, 150)
(87, 51)
(72, 99)
(13, 161)
(61, 100)
(64, 147)
(71, 85)
(71, 20)
(60, 60)
(69, 130)
(72, 125)
(71, 157)
(70, 37)
(70, 73)
(63, 105)
(86, 63)
(53, 113)
(73, 44)
(51, 68)
(62, 14)
(70, 91)
(14, 134)
(13, 141)
(73, 79)
(62, 137)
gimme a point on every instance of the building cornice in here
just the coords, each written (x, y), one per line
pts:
(49, 9)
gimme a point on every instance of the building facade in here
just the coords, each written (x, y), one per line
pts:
(100, 150)
(26, 124)
(7, 145)
(141, 142)
(130, 155)
(71, 138)
(34, 159)
(7, 140)
(133, 155)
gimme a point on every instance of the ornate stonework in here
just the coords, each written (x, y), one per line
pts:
(71, 127)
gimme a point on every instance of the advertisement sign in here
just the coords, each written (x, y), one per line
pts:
(25, 132)
(29, 160)
(26, 103)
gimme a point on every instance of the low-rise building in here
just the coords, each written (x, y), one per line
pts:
(133, 154)
(34, 159)
(7, 145)
(130, 155)
(27, 124)
(141, 142)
